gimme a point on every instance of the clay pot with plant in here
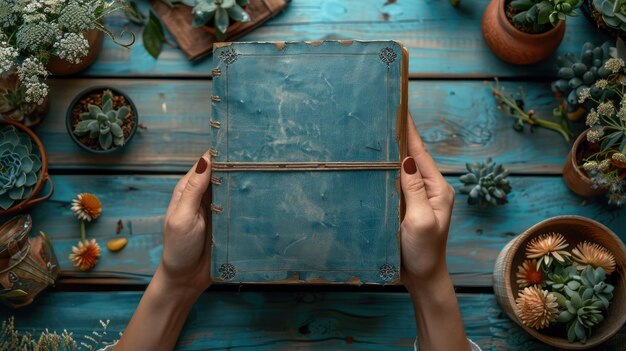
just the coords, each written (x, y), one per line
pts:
(15, 108)
(597, 161)
(62, 67)
(23, 168)
(526, 31)
(102, 120)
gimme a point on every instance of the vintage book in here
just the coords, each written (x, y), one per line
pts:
(197, 42)
(306, 143)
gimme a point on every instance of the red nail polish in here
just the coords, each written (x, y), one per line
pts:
(409, 165)
(201, 167)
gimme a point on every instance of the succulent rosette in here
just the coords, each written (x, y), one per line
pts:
(20, 166)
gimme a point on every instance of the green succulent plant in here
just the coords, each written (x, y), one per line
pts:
(579, 315)
(563, 278)
(580, 72)
(218, 11)
(103, 122)
(20, 166)
(613, 12)
(593, 286)
(486, 183)
(536, 14)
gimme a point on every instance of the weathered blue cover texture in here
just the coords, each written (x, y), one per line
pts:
(305, 162)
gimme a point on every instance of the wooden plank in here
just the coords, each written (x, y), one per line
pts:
(458, 121)
(443, 41)
(284, 321)
(476, 236)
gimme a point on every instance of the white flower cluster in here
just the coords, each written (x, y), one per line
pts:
(32, 12)
(77, 17)
(8, 15)
(36, 36)
(71, 47)
(8, 56)
(31, 73)
(53, 7)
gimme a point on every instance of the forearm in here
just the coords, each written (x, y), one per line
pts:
(159, 318)
(437, 315)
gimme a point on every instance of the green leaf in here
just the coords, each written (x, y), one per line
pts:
(153, 36)
(238, 14)
(107, 106)
(227, 3)
(94, 110)
(133, 14)
(202, 18)
(544, 9)
(123, 112)
(85, 116)
(8, 293)
(243, 2)
(221, 20)
(116, 130)
(106, 140)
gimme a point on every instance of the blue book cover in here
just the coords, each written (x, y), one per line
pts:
(306, 144)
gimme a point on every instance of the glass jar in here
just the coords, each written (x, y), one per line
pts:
(27, 265)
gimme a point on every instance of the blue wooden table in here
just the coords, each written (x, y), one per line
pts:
(453, 110)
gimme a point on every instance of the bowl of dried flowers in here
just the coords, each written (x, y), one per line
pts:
(102, 120)
(563, 281)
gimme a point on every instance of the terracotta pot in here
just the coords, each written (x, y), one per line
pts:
(60, 67)
(575, 229)
(87, 92)
(577, 181)
(511, 44)
(28, 114)
(43, 178)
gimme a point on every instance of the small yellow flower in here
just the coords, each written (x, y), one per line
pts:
(86, 207)
(528, 274)
(594, 255)
(546, 248)
(85, 256)
(536, 308)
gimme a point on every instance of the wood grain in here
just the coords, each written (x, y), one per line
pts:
(443, 41)
(458, 121)
(285, 321)
(476, 235)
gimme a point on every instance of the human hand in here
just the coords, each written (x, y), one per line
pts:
(187, 241)
(429, 200)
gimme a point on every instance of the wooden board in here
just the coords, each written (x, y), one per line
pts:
(285, 321)
(457, 119)
(476, 235)
(443, 41)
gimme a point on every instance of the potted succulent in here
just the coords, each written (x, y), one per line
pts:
(563, 282)
(577, 73)
(13, 104)
(486, 184)
(597, 162)
(218, 13)
(23, 168)
(526, 31)
(59, 37)
(608, 15)
(102, 120)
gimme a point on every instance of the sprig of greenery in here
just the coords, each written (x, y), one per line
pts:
(514, 107)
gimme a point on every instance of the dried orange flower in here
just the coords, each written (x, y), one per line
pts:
(86, 207)
(594, 255)
(528, 274)
(548, 247)
(85, 256)
(536, 308)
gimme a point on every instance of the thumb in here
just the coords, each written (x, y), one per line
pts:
(196, 187)
(413, 187)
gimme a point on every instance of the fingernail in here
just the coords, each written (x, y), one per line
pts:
(201, 167)
(409, 165)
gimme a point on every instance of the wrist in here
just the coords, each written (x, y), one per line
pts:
(172, 289)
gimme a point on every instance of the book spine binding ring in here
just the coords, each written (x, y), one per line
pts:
(216, 181)
(216, 98)
(217, 208)
(213, 152)
(216, 72)
(215, 124)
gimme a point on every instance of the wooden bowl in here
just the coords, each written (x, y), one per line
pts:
(43, 178)
(575, 229)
